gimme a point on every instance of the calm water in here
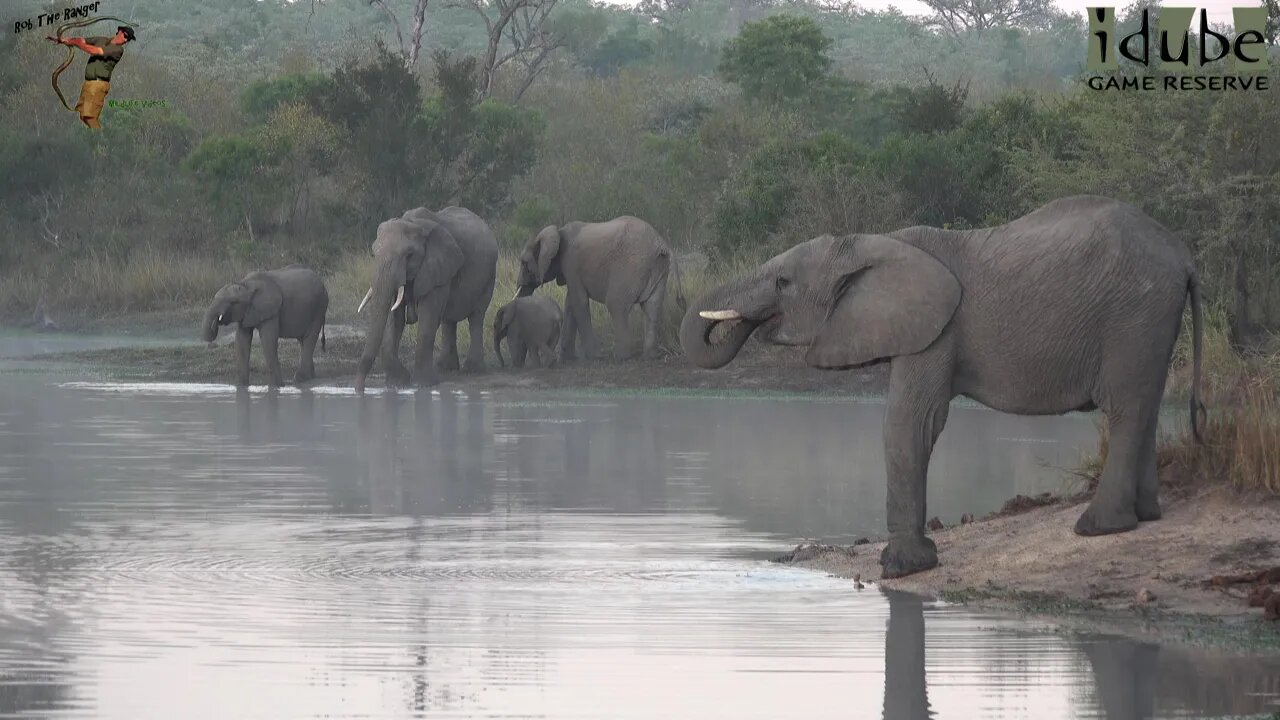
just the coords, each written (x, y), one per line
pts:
(186, 551)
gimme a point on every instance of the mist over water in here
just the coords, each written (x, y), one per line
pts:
(191, 551)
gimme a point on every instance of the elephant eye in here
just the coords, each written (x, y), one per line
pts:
(782, 283)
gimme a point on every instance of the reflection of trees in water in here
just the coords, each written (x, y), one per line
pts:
(600, 457)
(36, 613)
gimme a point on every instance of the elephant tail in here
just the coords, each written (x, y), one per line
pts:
(322, 344)
(1198, 411)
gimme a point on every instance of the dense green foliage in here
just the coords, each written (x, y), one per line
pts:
(737, 127)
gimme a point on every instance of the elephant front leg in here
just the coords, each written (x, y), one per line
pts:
(567, 334)
(429, 311)
(580, 310)
(397, 373)
(244, 340)
(916, 412)
(518, 350)
(269, 332)
(448, 359)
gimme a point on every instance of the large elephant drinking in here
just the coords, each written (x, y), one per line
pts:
(621, 263)
(287, 303)
(1075, 306)
(430, 269)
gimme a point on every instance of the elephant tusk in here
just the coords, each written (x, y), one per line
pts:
(721, 314)
(399, 298)
(219, 319)
(365, 300)
(515, 295)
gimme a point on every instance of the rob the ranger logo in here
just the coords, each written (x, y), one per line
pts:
(1246, 52)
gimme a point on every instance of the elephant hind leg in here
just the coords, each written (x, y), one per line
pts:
(622, 349)
(475, 350)
(652, 311)
(306, 359)
(1130, 464)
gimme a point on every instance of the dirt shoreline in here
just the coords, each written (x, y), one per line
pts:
(1149, 580)
(1154, 580)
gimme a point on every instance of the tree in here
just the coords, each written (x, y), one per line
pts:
(777, 58)
(957, 17)
(408, 49)
(1273, 20)
(529, 38)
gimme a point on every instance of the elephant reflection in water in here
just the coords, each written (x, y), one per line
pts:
(1133, 680)
(906, 695)
(436, 465)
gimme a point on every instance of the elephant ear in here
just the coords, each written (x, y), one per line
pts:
(888, 298)
(265, 300)
(441, 261)
(546, 250)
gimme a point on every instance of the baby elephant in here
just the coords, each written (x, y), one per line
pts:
(533, 326)
(287, 303)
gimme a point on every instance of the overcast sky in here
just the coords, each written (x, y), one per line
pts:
(1219, 10)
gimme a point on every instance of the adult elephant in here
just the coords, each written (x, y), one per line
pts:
(620, 263)
(287, 303)
(1075, 306)
(431, 268)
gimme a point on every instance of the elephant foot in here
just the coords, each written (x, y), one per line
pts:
(652, 355)
(1148, 511)
(474, 366)
(397, 376)
(1096, 520)
(359, 386)
(907, 556)
(447, 364)
(426, 380)
(302, 377)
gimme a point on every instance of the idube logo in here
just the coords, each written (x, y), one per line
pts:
(1172, 47)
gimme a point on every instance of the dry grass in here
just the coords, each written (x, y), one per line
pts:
(94, 287)
(1241, 443)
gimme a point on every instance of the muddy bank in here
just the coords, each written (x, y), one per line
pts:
(1155, 579)
(760, 368)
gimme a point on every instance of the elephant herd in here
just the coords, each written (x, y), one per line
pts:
(438, 269)
(1074, 306)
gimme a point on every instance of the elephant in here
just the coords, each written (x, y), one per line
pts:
(1075, 306)
(432, 269)
(621, 262)
(287, 303)
(533, 324)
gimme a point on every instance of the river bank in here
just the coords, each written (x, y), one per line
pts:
(1176, 578)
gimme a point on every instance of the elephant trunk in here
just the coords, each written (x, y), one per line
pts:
(387, 287)
(212, 319)
(730, 323)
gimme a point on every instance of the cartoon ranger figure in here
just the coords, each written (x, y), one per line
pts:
(104, 52)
